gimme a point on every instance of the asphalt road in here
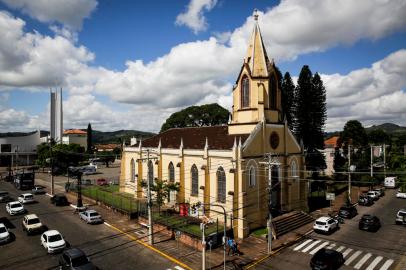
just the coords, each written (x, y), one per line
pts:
(104, 246)
(365, 250)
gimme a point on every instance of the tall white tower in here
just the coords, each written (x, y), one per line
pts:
(56, 115)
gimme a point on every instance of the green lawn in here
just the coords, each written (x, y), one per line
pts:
(260, 231)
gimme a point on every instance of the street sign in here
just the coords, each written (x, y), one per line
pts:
(330, 196)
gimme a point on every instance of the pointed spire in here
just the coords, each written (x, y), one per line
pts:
(235, 142)
(181, 143)
(256, 56)
(206, 145)
(159, 144)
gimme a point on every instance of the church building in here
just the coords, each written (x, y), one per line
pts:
(228, 165)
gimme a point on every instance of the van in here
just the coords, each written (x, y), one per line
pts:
(390, 182)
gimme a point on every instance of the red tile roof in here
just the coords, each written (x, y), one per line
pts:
(332, 142)
(75, 131)
(195, 138)
(110, 146)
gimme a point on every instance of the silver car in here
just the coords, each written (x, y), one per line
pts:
(401, 216)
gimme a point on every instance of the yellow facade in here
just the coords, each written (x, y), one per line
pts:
(257, 130)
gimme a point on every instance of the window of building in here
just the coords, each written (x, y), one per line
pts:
(272, 93)
(195, 180)
(251, 176)
(151, 172)
(132, 179)
(293, 168)
(221, 185)
(245, 92)
(171, 171)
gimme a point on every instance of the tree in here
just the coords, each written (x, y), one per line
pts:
(288, 102)
(107, 157)
(43, 153)
(197, 116)
(162, 189)
(354, 134)
(378, 136)
(89, 139)
(310, 116)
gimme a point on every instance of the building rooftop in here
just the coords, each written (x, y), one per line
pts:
(332, 142)
(74, 131)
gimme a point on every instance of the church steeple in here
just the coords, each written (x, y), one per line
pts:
(256, 56)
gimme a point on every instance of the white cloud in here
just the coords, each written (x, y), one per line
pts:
(69, 13)
(193, 16)
(372, 95)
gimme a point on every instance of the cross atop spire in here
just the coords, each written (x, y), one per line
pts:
(256, 14)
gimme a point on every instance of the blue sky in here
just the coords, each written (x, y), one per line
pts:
(130, 64)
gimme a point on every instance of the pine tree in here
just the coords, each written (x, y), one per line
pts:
(288, 102)
(89, 139)
(310, 116)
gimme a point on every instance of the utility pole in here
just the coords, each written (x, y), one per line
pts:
(202, 227)
(372, 167)
(52, 169)
(349, 172)
(384, 160)
(79, 203)
(150, 228)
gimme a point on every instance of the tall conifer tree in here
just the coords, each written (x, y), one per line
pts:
(288, 102)
(89, 139)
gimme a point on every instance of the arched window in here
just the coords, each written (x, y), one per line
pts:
(252, 177)
(132, 179)
(195, 180)
(245, 92)
(293, 168)
(150, 172)
(272, 93)
(171, 171)
(221, 185)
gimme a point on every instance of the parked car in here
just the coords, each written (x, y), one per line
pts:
(327, 259)
(59, 200)
(365, 200)
(401, 195)
(91, 216)
(325, 225)
(52, 241)
(32, 224)
(101, 182)
(373, 195)
(15, 208)
(381, 191)
(5, 236)
(401, 216)
(369, 223)
(37, 190)
(348, 211)
(5, 197)
(26, 198)
(75, 258)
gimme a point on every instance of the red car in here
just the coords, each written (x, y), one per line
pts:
(101, 182)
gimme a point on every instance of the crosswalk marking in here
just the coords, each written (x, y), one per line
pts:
(346, 252)
(340, 248)
(362, 261)
(387, 264)
(353, 257)
(311, 246)
(302, 244)
(374, 263)
(319, 247)
(331, 246)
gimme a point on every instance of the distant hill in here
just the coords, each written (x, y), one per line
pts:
(389, 128)
(99, 137)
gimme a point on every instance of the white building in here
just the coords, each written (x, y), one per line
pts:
(19, 150)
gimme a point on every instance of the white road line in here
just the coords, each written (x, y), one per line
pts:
(353, 257)
(179, 268)
(319, 247)
(362, 261)
(340, 248)
(374, 263)
(302, 244)
(311, 246)
(346, 252)
(48, 194)
(105, 223)
(387, 264)
(331, 246)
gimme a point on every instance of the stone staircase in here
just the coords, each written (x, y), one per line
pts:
(289, 222)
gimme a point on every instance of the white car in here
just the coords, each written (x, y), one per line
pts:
(401, 216)
(91, 216)
(373, 194)
(325, 224)
(401, 195)
(15, 208)
(52, 241)
(5, 236)
(32, 224)
(26, 198)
